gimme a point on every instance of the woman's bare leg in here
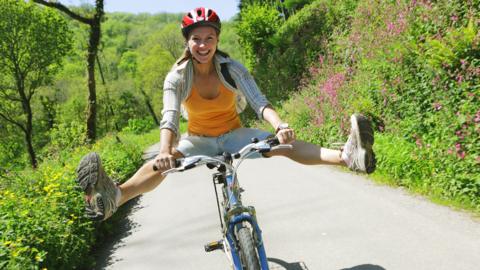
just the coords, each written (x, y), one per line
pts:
(310, 154)
(143, 181)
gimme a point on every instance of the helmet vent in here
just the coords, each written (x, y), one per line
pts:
(199, 12)
(209, 13)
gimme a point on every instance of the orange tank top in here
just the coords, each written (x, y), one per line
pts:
(212, 117)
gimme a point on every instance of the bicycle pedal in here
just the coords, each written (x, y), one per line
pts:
(214, 246)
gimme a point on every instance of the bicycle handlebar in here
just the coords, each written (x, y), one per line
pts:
(263, 146)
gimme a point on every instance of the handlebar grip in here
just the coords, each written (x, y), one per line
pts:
(273, 141)
(178, 163)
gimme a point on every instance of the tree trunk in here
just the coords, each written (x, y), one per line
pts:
(94, 40)
(92, 95)
(28, 140)
(28, 129)
(150, 107)
(95, 32)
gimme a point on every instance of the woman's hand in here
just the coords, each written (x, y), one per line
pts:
(164, 161)
(286, 135)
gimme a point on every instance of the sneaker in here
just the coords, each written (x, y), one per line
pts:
(100, 190)
(357, 152)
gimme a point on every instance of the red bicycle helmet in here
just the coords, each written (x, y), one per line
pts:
(198, 17)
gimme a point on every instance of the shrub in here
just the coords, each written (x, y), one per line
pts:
(297, 43)
(138, 126)
(258, 23)
(410, 66)
(41, 212)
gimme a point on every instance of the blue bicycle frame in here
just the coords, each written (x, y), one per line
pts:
(235, 214)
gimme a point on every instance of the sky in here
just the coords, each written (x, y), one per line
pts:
(226, 9)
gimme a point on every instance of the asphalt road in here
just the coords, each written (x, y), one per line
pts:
(312, 217)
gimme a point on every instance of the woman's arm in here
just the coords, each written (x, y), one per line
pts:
(165, 159)
(284, 133)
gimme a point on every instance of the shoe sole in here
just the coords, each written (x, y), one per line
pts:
(364, 135)
(87, 172)
(87, 178)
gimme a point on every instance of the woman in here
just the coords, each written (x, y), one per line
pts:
(212, 99)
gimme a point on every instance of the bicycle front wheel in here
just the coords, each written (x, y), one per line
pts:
(247, 249)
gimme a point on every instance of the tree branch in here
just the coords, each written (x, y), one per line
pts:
(65, 9)
(4, 95)
(10, 120)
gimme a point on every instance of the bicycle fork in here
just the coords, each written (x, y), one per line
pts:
(234, 217)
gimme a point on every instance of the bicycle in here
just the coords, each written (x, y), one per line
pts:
(241, 235)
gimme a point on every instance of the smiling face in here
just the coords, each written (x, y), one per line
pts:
(202, 43)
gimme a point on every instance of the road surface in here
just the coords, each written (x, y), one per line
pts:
(312, 217)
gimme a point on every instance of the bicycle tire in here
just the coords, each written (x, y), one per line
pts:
(247, 249)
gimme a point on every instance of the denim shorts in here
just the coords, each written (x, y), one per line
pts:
(230, 142)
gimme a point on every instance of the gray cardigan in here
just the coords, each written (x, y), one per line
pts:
(178, 85)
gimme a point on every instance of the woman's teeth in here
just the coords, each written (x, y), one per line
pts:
(203, 53)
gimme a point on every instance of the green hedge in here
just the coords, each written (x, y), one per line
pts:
(412, 67)
(41, 212)
(283, 55)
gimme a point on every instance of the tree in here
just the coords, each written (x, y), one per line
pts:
(33, 42)
(152, 69)
(94, 40)
(171, 39)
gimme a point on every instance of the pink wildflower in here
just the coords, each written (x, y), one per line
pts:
(458, 147)
(459, 135)
(321, 59)
(459, 78)
(331, 86)
(418, 142)
(477, 117)
(461, 154)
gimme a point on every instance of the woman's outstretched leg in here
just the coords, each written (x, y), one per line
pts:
(357, 154)
(102, 196)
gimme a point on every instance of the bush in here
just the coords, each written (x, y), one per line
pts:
(297, 43)
(411, 67)
(138, 126)
(258, 23)
(41, 212)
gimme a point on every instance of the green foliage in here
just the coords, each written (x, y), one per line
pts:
(41, 212)
(296, 4)
(153, 67)
(169, 39)
(259, 22)
(138, 126)
(66, 136)
(229, 42)
(297, 43)
(33, 42)
(412, 67)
